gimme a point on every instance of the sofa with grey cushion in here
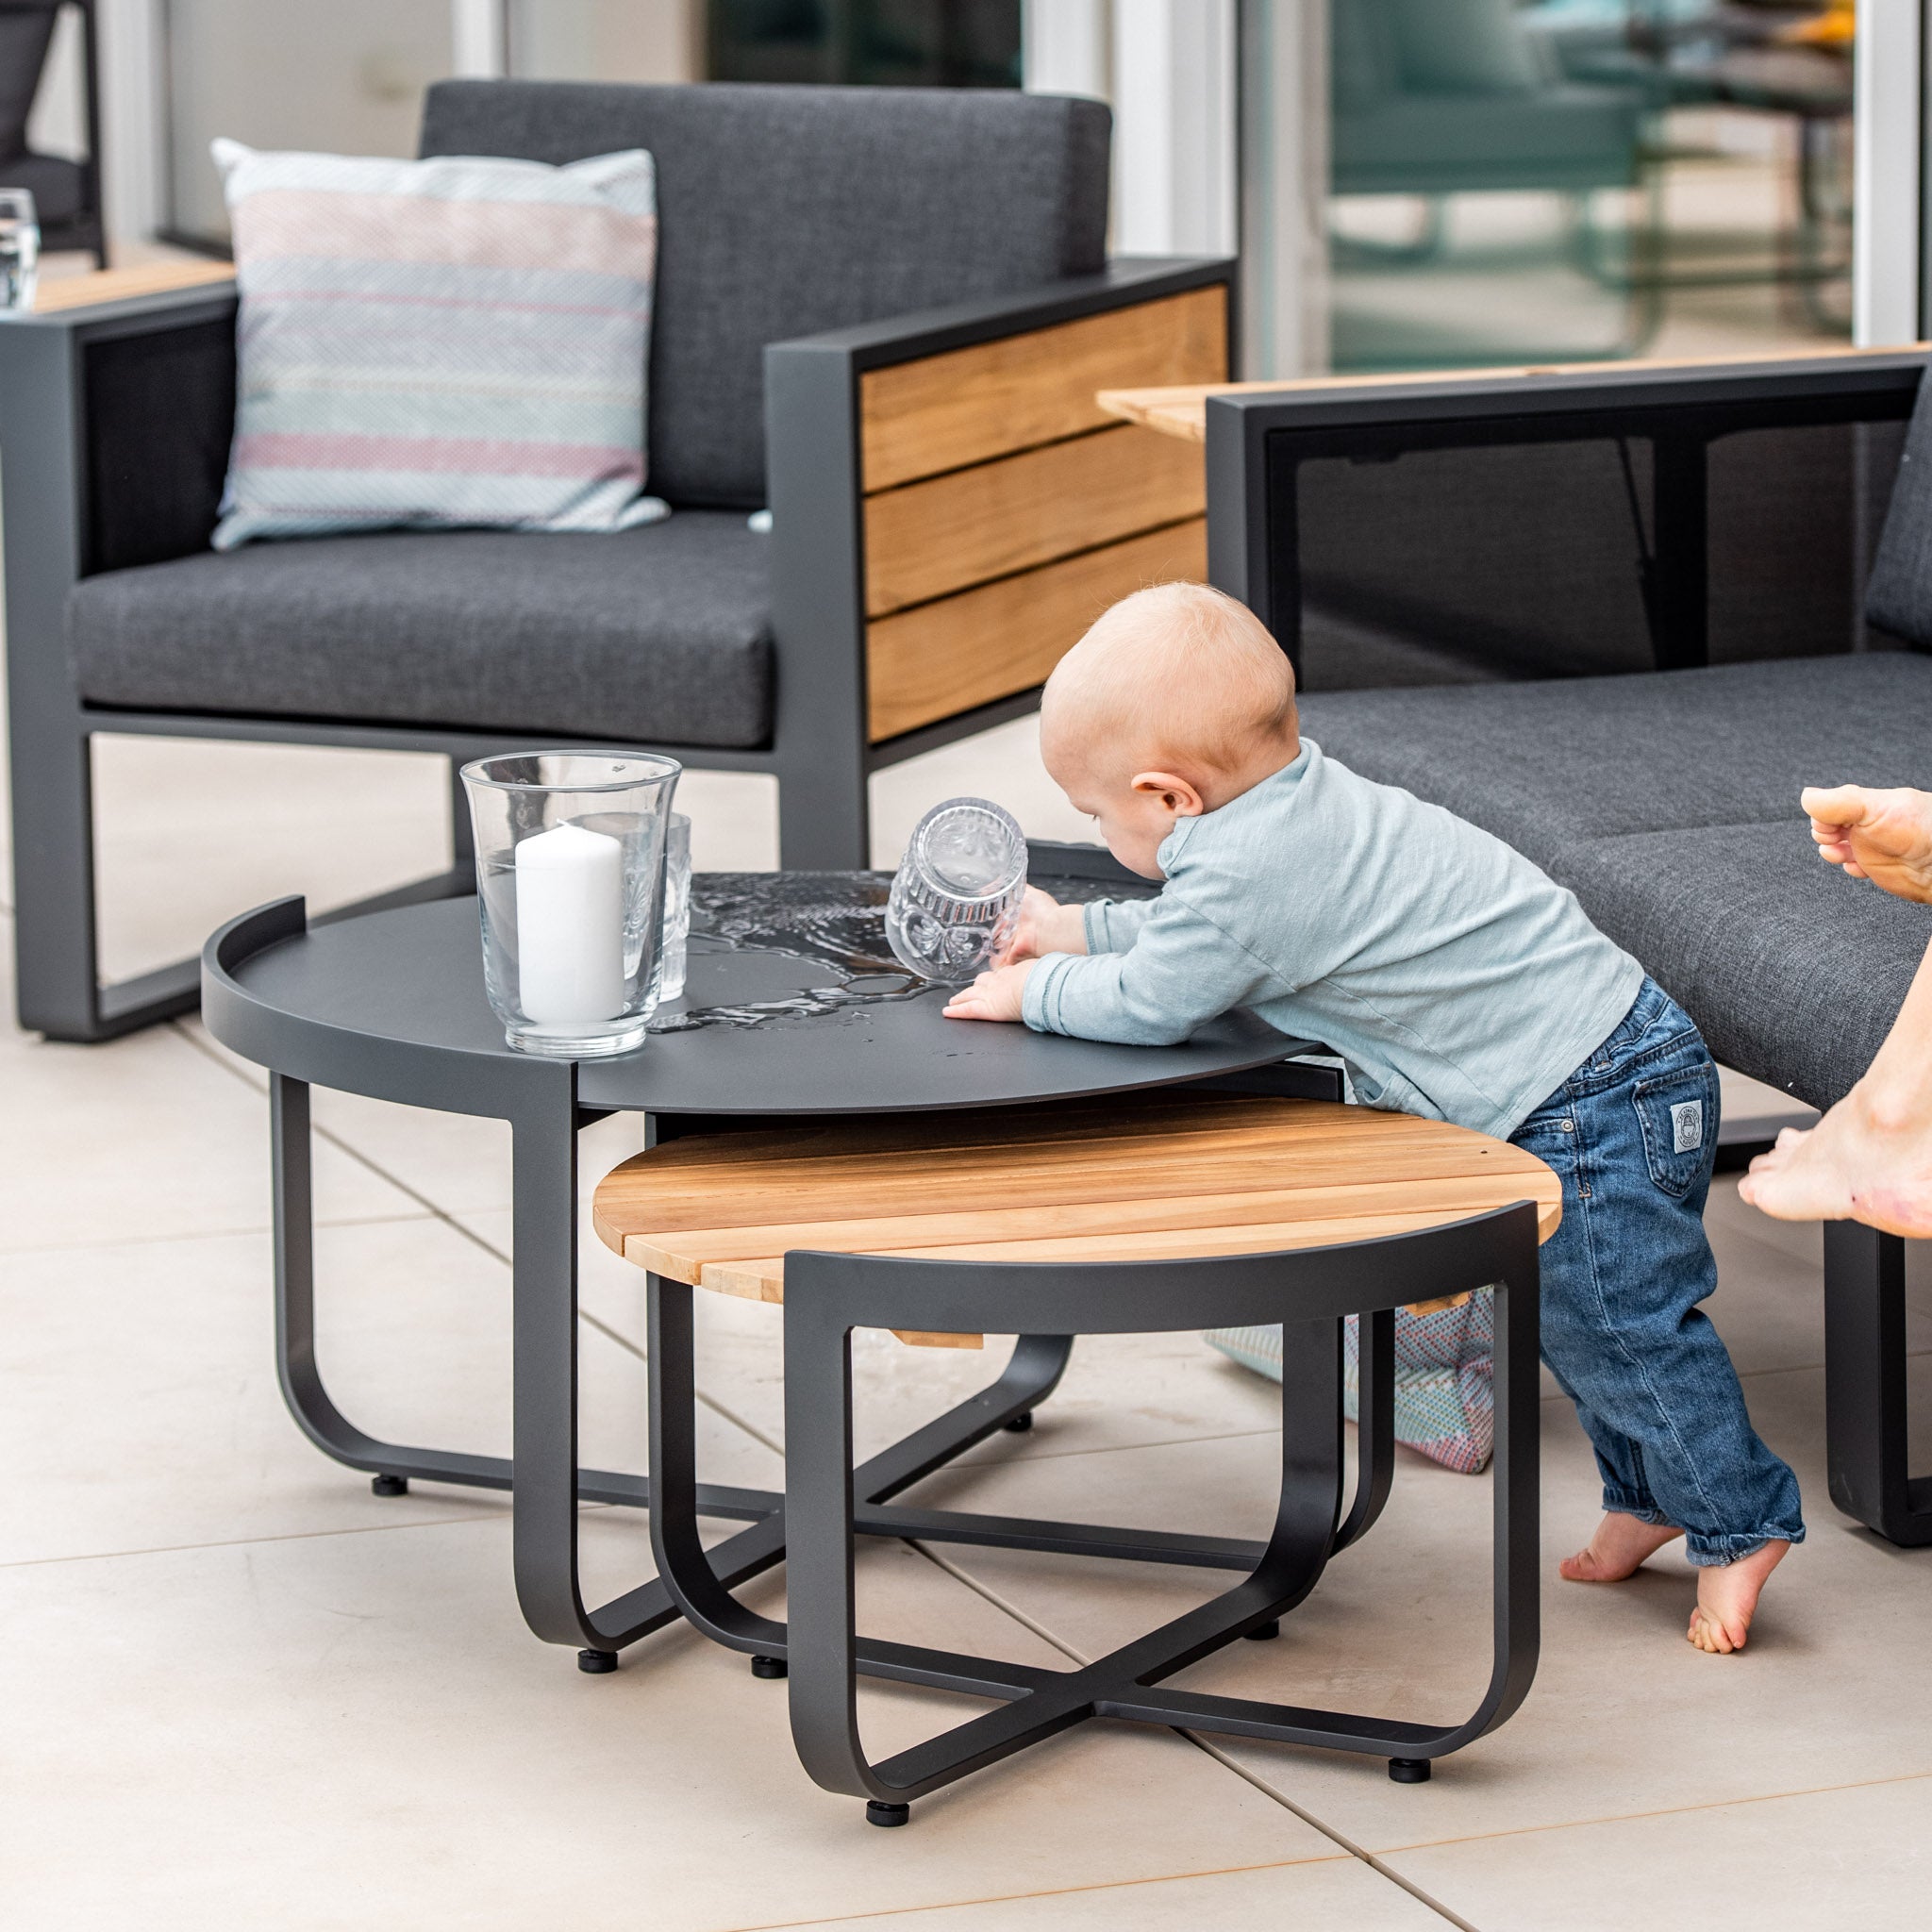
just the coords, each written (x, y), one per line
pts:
(1747, 553)
(811, 241)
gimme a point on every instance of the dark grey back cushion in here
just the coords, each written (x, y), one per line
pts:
(786, 211)
(1899, 596)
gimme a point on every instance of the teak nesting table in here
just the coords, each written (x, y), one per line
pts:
(1143, 1212)
(390, 1004)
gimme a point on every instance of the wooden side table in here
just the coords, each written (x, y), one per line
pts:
(1154, 1213)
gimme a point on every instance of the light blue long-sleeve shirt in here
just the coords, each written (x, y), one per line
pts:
(1454, 978)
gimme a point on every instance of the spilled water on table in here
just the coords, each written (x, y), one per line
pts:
(831, 920)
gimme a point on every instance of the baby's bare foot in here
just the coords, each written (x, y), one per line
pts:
(1617, 1550)
(1862, 1160)
(1727, 1598)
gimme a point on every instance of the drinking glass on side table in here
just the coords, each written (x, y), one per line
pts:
(20, 248)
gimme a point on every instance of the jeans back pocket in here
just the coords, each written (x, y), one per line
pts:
(1678, 1113)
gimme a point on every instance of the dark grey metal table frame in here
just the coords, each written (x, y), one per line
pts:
(357, 1038)
(827, 1295)
(391, 1005)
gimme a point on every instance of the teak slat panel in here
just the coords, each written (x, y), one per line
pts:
(1195, 1176)
(946, 657)
(943, 412)
(930, 539)
(123, 284)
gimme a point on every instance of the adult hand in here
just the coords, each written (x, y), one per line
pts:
(1882, 836)
(995, 995)
(1044, 925)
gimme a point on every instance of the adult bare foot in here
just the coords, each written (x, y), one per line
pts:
(1868, 1159)
(1884, 836)
(1727, 1599)
(1617, 1550)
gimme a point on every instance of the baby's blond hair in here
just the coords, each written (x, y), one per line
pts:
(1178, 674)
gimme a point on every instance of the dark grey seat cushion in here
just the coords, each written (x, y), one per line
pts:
(1545, 764)
(1668, 803)
(783, 211)
(1793, 972)
(661, 634)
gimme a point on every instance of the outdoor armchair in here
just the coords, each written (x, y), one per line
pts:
(882, 314)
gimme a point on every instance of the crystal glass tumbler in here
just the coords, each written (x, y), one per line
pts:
(20, 248)
(570, 868)
(671, 949)
(957, 889)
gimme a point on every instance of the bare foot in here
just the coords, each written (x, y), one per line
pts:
(1727, 1598)
(1865, 1160)
(1617, 1550)
(1882, 836)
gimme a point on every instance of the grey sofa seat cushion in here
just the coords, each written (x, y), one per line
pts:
(1545, 764)
(783, 211)
(1793, 972)
(1668, 803)
(661, 634)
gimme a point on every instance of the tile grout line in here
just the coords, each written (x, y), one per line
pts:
(961, 1904)
(244, 1542)
(450, 1221)
(1200, 1743)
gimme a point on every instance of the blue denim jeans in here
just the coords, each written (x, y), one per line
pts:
(1632, 1134)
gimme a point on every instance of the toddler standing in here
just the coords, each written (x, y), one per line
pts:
(1455, 981)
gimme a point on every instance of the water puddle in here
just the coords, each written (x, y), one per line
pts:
(833, 924)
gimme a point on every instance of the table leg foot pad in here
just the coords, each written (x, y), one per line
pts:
(768, 1667)
(878, 1813)
(596, 1663)
(1409, 1771)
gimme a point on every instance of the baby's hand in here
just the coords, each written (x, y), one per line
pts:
(1044, 925)
(999, 994)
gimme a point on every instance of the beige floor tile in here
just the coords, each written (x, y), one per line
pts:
(1816, 1861)
(144, 1412)
(142, 1138)
(192, 833)
(1624, 1716)
(1337, 1892)
(357, 1730)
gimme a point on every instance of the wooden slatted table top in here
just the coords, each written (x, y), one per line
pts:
(1180, 409)
(1131, 1178)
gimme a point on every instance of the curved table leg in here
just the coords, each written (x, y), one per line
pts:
(826, 1656)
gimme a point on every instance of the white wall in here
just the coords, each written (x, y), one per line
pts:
(1168, 69)
(1887, 233)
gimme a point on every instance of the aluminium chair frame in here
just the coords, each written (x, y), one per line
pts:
(1310, 1291)
(1258, 440)
(819, 748)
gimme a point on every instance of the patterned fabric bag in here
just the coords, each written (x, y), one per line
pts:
(1443, 1406)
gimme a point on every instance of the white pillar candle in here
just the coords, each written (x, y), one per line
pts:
(570, 926)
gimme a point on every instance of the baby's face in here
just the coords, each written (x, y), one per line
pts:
(1132, 822)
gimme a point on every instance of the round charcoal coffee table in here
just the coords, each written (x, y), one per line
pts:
(794, 1008)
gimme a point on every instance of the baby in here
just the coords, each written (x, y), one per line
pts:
(1455, 981)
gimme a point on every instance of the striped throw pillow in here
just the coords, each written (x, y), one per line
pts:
(427, 343)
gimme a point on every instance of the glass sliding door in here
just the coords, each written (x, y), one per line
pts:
(1466, 182)
(346, 77)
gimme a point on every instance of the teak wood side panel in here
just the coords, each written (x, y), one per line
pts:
(946, 657)
(943, 412)
(1205, 1175)
(950, 532)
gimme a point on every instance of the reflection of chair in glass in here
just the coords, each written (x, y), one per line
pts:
(1437, 97)
(67, 193)
(1759, 59)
